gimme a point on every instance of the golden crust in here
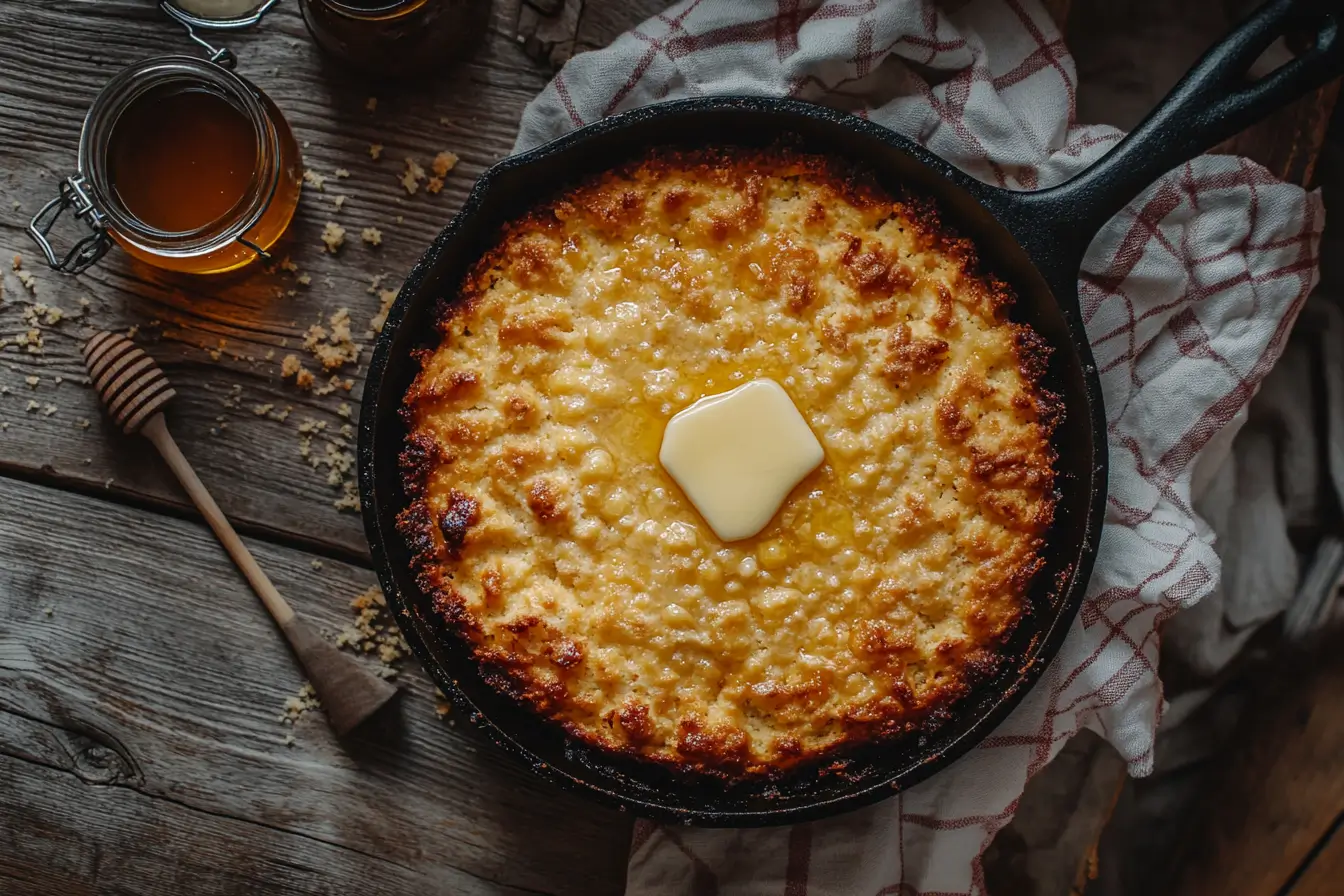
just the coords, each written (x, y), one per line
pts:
(557, 547)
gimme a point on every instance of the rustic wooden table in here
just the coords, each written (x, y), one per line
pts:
(145, 744)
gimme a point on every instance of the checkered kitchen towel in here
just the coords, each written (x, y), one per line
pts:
(1188, 296)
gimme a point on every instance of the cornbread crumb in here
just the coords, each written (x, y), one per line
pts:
(33, 406)
(261, 410)
(83, 423)
(344, 410)
(29, 281)
(316, 564)
(313, 179)
(287, 264)
(48, 611)
(443, 163)
(288, 740)
(372, 235)
(375, 151)
(32, 381)
(374, 631)
(412, 176)
(18, 261)
(335, 346)
(371, 104)
(386, 297)
(296, 707)
(304, 280)
(341, 172)
(48, 410)
(333, 236)
(434, 185)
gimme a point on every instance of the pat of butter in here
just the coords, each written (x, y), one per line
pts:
(737, 455)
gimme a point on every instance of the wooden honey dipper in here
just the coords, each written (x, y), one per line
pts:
(135, 390)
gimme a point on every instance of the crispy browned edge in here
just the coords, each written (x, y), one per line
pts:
(706, 751)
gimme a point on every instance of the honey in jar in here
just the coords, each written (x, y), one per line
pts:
(395, 38)
(183, 163)
(181, 158)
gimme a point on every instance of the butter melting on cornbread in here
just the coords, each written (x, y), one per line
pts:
(588, 586)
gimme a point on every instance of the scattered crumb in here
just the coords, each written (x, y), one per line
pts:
(291, 366)
(83, 423)
(304, 280)
(48, 410)
(385, 299)
(48, 611)
(344, 410)
(371, 104)
(32, 406)
(339, 202)
(412, 177)
(332, 347)
(443, 163)
(341, 172)
(441, 705)
(443, 120)
(261, 410)
(375, 282)
(374, 631)
(313, 179)
(333, 235)
(287, 264)
(32, 381)
(434, 185)
(18, 261)
(131, 332)
(375, 153)
(295, 707)
(372, 235)
(29, 281)
(288, 740)
(59, 379)
(316, 564)
(400, 219)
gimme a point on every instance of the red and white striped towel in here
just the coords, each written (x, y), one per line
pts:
(1188, 297)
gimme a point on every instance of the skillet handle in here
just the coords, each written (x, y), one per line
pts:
(1214, 101)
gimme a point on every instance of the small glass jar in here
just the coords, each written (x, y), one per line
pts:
(238, 236)
(395, 38)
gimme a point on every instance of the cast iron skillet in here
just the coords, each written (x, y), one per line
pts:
(1035, 241)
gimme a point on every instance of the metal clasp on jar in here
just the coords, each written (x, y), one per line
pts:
(88, 249)
(194, 23)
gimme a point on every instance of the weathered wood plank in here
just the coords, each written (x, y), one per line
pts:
(53, 58)
(1325, 875)
(140, 690)
(1281, 790)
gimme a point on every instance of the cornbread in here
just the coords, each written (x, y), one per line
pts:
(552, 541)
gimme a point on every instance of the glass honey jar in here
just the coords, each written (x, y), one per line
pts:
(183, 163)
(395, 38)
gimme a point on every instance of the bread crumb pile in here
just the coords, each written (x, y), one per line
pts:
(297, 706)
(373, 632)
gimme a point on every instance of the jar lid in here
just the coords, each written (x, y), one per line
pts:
(216, 15)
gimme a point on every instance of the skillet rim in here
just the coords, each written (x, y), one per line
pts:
(1051, 625)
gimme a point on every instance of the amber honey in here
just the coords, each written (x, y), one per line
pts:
(182, 158)
(183, 163)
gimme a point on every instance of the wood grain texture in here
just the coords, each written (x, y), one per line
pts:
(140, 747)
(53, 58)
(1281, 792)
(1324, 876)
